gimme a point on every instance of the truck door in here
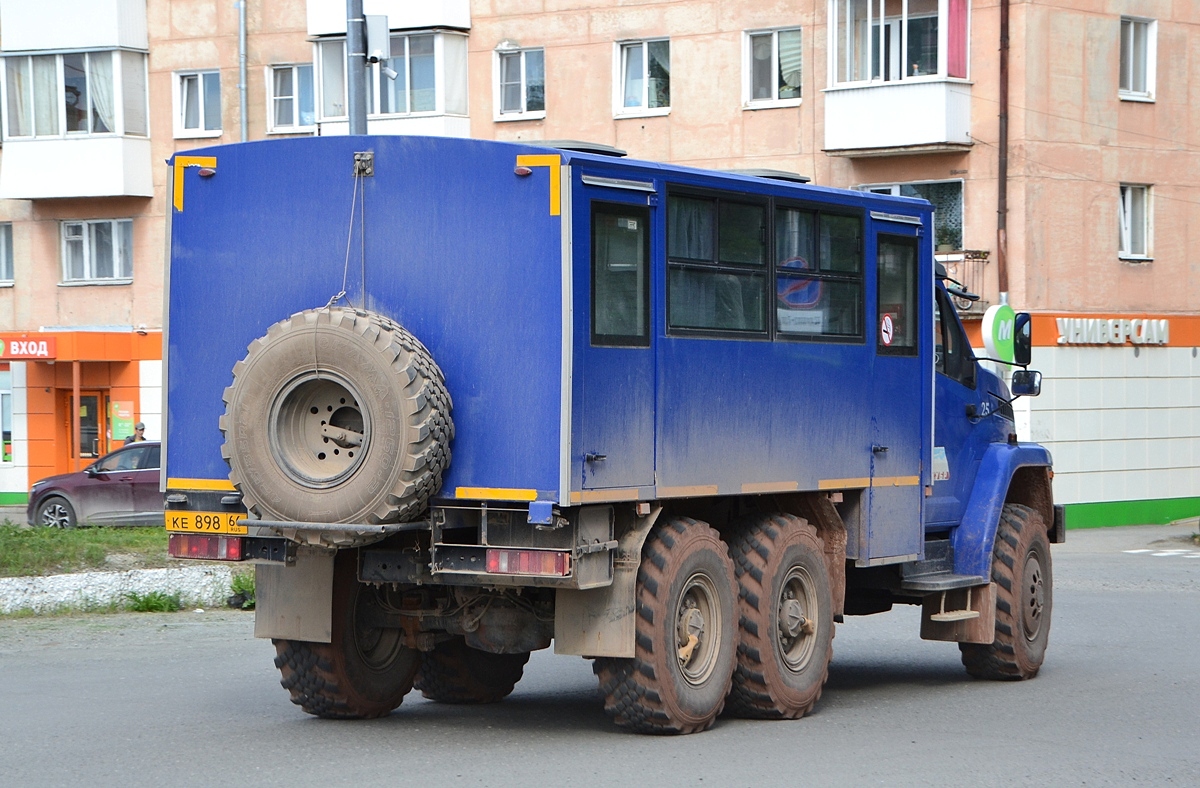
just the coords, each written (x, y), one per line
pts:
(900, 399)
(613, 245)
(956, 449)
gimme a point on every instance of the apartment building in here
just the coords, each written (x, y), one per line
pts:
(887, 95)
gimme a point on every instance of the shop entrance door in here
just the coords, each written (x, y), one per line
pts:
(92, 440)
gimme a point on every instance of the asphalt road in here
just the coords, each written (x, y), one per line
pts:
(193, 699)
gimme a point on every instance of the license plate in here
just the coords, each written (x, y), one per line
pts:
(206, 522)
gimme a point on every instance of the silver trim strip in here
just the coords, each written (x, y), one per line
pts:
(619, 183)
(568, 319)
(896, 217)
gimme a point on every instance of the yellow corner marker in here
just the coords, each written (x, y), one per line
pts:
(495, 494)
(182, 163)
(551, 160)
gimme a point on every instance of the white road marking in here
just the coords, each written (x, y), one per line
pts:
(1143, 550)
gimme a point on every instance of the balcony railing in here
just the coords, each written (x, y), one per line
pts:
(968, 267)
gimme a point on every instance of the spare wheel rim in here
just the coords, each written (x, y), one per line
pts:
(319, 432)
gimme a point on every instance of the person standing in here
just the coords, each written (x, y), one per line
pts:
(139, 434)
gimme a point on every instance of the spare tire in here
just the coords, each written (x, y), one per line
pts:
(337, 415)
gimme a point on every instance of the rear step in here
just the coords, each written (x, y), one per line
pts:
(936, 571)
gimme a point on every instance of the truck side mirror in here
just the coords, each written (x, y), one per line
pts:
(1022, 338)
(1026, 383)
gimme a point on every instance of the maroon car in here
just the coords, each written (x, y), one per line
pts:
(118, 489)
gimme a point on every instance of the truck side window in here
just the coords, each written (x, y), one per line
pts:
(620, 275)
(896, 326)
(818, 279)
(717, 253)
(954, 357)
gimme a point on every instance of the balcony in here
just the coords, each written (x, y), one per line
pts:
(328, 17)
(967, 267)
(108, 166)
(898, 118)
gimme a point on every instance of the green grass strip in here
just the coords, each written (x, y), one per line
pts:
(49, 551)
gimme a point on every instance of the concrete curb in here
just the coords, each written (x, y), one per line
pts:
(196, 586)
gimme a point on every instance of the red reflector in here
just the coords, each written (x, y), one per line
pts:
(212, 548)
(527, 562)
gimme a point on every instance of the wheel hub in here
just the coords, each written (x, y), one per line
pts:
(697, 629)
(318, 432)
(1034, 587)
(796, 619)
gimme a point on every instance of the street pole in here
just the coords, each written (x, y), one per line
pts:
(356, 66)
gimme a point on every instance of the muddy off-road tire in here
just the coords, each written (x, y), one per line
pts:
(685, 589)
(337, 415)
(456, 673)
(364, 672)
(1024, 597)
(786, 619)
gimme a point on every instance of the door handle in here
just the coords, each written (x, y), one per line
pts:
(590, 457)
(879, 449)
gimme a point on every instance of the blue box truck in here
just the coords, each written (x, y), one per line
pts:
(459, 400)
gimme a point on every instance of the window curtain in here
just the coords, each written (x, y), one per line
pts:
(17, 74)
(100, 85)
(455, 48)
(45, 95)
(956, 55)
(133, 89)
(690, 229)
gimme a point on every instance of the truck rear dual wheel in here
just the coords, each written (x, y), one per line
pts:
(685, 634)
(364, 672)
(337, 415)
(786, 619)
(1024, 597)
(456, 673)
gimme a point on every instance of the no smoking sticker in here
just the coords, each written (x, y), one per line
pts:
(887, 331)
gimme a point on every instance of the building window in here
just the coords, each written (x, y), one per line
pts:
(198, 104)
(717, 264)
(876, 40)
(75, 94)
(6, 252)
(947, 199)
(520, 84)
(97, 251)
(291, 98)
(428, 76)
(644, 84)
(1134, 218)
(773, 68)
(1138, 57)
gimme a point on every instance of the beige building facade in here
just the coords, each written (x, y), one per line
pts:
(901, 96)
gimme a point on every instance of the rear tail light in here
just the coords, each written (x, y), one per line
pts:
(213, 548)
(528, 562)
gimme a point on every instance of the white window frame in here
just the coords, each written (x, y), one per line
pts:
(644, 110)
(1125, 207)
(498, 114)
(1127, 36)
(297, 126)
(7, 268)
(181, 132)
(119, 252)
(838, 36)
(118, 96)
(375, 76)
(748, 100)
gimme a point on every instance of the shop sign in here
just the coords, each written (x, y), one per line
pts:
(1112, 331)
(998, 325)
(21, 348)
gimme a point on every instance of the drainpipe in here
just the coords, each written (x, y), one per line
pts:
(356, 66)
(1002, 172)
(241, 6)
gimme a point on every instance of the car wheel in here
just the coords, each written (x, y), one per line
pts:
(56, 512)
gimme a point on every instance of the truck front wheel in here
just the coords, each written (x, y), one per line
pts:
(1024, 585)
(786, 609)
(685, 634)
(364, 672)
(456, 673)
